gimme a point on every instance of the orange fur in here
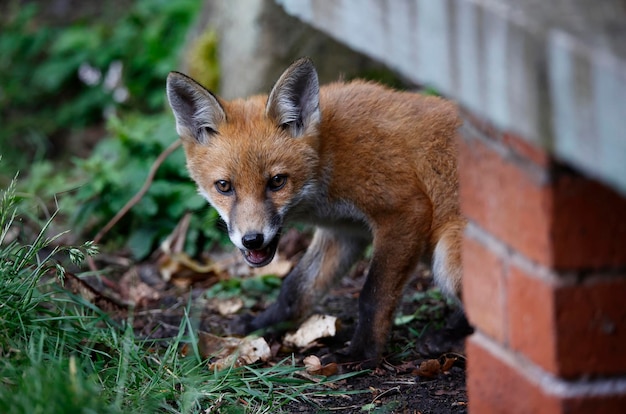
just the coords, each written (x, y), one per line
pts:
(363, 162)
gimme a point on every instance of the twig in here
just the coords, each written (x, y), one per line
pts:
(389, 391)
(136, 198)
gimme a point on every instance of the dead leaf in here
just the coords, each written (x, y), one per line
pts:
(406, 367)
(175, 242)
(312, 363)
(179, 267)
(316, 327)
(448, 362)
(278, 267)
(254, 349)
(230, 351)
(135, 290)
(429, 368)
(141, 294)
(314, 366)
(175, 264)
(216, 346)
(108, 304)
(226, 307)
(328, 370)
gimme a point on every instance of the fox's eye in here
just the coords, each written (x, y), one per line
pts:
(224, 187)
(208, 130)
(277, 182)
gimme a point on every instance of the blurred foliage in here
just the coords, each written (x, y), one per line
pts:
(250, 290)
(60, 82)
(41, 92)
(118, 169)
(203, 61)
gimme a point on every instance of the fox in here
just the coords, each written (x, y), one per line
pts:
(366, 164)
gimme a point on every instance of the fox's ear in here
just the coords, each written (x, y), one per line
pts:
(197, 111)
(293, 102)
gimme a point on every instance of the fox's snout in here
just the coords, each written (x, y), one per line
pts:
(251, 238)
(258, 248)
(249, 230)
(253, 241)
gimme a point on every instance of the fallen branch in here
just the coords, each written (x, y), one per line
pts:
(136, 198)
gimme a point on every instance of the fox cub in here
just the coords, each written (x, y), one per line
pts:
(364, 163)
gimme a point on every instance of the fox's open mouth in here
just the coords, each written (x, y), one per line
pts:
(261, 257)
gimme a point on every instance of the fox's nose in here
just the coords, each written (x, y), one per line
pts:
(252, 241)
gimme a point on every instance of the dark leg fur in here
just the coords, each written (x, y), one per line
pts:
(330, 255)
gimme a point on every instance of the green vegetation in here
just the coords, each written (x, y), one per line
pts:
(249, 290)
(118, 169)
(58, 79)
(61, 85)
(62, 354)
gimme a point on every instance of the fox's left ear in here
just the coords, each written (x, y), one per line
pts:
(293, 102)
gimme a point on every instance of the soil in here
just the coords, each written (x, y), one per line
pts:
(423, 370)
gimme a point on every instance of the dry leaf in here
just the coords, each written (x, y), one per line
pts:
(108, 304)
(317, 326)
(429, 368)
(328, 370)
(249, 351)
(230, 351)
(254, 349)
(448, 362)
(406, 367)
(141, 294)
(312, 363)
(181, 266)
(175, 265)
(134, 290)
(226, 307)
(278, 267)
(314, 366)
(175, 241)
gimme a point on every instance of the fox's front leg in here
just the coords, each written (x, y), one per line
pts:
(330, 255)
(399, 242)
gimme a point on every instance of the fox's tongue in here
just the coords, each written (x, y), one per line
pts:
(261, 257)
(257, 256)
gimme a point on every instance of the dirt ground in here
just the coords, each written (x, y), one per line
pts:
(424, 366)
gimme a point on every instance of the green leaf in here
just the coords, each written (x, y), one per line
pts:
(76, 38)
(141, 241)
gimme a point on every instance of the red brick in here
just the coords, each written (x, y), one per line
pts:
(494, 386)
(505, 201)
(568, 222)
(531, 318)
(589, 224)
(483, 289)
(570, 331)
(591, 328)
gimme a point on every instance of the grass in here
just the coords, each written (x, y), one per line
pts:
(59, 353)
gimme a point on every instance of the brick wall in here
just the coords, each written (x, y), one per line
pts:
(544, 280)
